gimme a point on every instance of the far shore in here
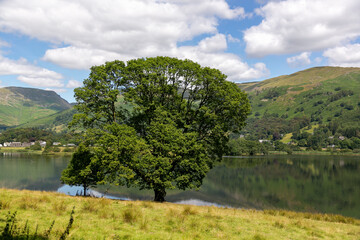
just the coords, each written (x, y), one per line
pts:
(39, 152)
(62, 152)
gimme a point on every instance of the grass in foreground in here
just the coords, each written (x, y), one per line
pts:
(110, 219)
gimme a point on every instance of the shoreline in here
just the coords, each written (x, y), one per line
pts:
(29, 151)
(23, 150)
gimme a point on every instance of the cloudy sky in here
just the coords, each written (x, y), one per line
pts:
(51, 44)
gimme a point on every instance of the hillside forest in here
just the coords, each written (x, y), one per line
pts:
(317, 109)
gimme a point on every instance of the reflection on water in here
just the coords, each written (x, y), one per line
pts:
(198, 202)
(33, 172)
(78, 190)
(328, 184)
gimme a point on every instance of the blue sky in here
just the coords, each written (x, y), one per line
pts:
(52, 44)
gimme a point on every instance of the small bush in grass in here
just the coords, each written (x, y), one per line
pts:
(4, 204)
(12, 231)
(44, 199)
(131, 214)
(258, 237)
(68, 227)
(104, 202)
(144, 223)
(147, 204)
(59, 207)
(35, 147)
(67, 149)
(56, 149)
(278, 225)
(189, 211)
(28, 203)
(90, 206)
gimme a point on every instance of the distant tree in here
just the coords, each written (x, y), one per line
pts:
(158, 123)
(36, 146)
(82, 170)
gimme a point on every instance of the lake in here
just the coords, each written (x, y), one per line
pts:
(325, 184)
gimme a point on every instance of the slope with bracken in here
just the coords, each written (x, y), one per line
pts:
(320, 95)
(21, 105)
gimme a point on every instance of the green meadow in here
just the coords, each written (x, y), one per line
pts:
(96, 218)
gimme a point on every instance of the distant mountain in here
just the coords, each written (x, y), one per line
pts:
(320, 95)
(25, 105)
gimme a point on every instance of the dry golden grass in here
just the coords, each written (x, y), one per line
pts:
(112, 219)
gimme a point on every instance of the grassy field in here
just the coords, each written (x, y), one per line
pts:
(111, 219)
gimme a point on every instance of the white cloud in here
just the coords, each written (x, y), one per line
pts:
(232, 39)
(74, 84)
(4, 44)
(213, 44)
(345, 56)
(228, 63)
(57, 90)
(303, 25)
(132, 26)
(95, 31)
(318, 60)
(300, 60)
(80, 58)
(29, 73)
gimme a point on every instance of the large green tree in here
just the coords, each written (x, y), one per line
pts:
(158, 123)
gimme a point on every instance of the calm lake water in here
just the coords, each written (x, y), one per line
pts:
(326, 184)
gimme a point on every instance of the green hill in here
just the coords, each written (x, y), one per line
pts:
(22, 105)
(320, 97)
(306, 108)
(57, 121)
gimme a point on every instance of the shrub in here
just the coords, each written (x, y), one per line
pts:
(56, 149)
(131, 214)
(4, 205)
(349, 107)
(35, 147)
(13, 231)
(67, 149)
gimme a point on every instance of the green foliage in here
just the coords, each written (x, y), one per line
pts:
(67, 149)
(270, 127)
(340, 94)
(56, 149)
(82, 170)
(174, 125)
(319, 95)
(35, 147)
(68, 227)
(12, 231)
(59, 119)
(24, 135)
(241, 146)
(35, 134)
(274, 93)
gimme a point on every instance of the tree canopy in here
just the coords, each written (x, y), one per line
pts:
(158, 123)
(81, 170)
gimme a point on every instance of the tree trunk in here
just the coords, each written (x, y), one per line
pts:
(160, 194)
(85, 187)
